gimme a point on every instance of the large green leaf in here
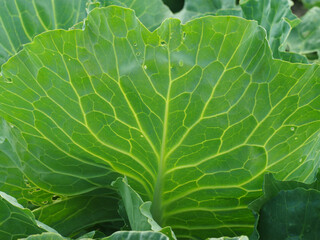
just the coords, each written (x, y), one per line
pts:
(194, 115)
(21, 20)
(304, 38)
(277, 18)
(17, 222)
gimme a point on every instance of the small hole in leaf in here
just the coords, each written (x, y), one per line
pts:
(8, 80)
(163, 43)
(184, 35)
(54, 198)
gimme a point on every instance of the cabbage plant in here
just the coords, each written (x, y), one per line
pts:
(127, 127)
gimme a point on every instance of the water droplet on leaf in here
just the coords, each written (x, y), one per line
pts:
(2, 139)
(181, 63)
(292, 129)
(145, 67)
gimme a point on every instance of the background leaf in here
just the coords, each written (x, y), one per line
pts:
(151, 13)
(304, 38)
(194, 9)
(277, 18)
(287, 209)
(311, 3)
(22, 20)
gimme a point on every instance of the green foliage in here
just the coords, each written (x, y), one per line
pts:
(276, 17)
(16, 221)
(22, 20)
(165, 127)
(311, 3)
(287, 210)
(304, 38)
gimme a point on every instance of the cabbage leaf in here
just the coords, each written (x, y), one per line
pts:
(194, 115)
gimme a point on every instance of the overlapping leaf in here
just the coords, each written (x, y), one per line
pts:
(21, 20)
(151, 13)
(194, 9)
(276, 17)
(304, 38)
(133, 235)
(226, 238)
(74, 215)
(138, 212)
(67, 214)
(194, 115)
(288, 209)
(17, 222)
(45, 236)
(12, 179)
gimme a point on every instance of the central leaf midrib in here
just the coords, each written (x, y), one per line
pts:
(157, 205)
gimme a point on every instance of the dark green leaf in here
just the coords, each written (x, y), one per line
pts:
(73, 215)
(287, 210)
(17, 222)
(311, 3)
